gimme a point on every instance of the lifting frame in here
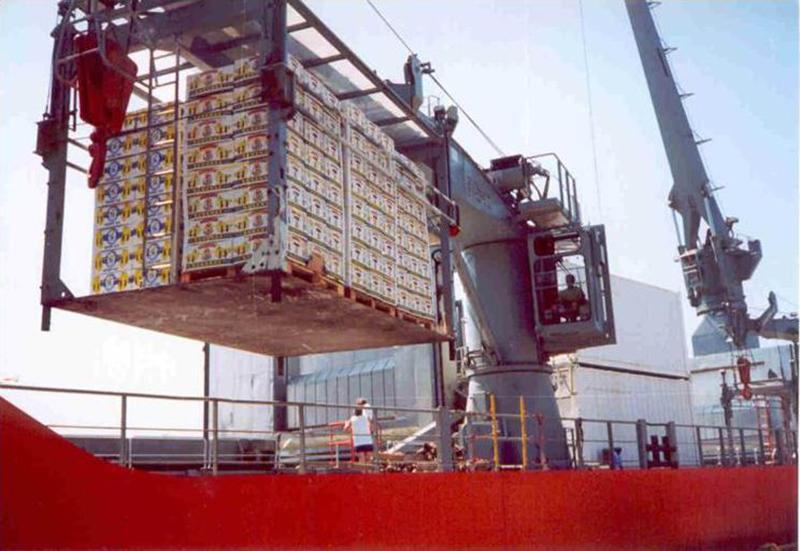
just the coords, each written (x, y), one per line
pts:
(205, 35)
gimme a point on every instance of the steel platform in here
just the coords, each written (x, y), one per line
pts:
(238, 312)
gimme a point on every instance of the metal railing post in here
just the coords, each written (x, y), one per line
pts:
(672, 435)
(523, 433)
(699, 435)
(641, 442)
(723, 458)
(445, 452)
(215, 429)
(541, 439)
(731, 447)
(376, 462)
(780, 457)
(493, 418)
(761, 453)
(579, 442)
(743, 456)
(470, 440)
(206, 438)
(301, 422)
(123, 429)
(610, 431)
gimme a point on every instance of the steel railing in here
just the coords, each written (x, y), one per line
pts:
(477, 443)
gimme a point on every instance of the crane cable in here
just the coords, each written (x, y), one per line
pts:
(591, 110)
(472, 121)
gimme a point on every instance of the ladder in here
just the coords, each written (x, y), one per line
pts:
(762, 406)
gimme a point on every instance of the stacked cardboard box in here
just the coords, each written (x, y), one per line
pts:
(315, 175)
(351, 199)
(372, 207)
(212, 218)
(227, 169)
(134, 230)
(415, 284)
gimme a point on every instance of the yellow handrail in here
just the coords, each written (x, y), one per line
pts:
(495, 447)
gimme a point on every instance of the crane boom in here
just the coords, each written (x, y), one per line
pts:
(716, 262)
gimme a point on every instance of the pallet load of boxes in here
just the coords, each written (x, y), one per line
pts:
(185, 195)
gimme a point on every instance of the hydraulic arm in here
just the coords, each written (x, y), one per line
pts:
(714, 260)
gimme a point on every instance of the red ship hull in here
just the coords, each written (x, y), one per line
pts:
(54, 495)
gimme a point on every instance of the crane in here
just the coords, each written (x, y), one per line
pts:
(536, 278)
(715, 262)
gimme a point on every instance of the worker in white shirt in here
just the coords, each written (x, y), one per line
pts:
(360, 427)
(368, 411)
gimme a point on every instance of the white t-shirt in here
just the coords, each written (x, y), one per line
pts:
(359, 425)
(370, 413)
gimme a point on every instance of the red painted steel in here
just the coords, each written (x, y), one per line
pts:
(54, 495)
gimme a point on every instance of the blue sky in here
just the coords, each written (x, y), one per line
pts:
(518, 68)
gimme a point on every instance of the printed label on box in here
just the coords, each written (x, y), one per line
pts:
(251, 120)
(210, 178)
(117, 259)
(118, 236)
(156, 277)
(251, 146)
(209, 254)
(209, 82)
(253, 196)
(210, 106)
(247, 96)
(138, 119)
(115, 281)
(129, 212)
(205, 229)
(211, 203)
(246, 69)
(158, 252)
(252, 171)
(208, 130)
(210, 154)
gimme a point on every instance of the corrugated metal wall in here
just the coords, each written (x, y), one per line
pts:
(597, 394)
(651, 380)
(650, 332)
(398, 376)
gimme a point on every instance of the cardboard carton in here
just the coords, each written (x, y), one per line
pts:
(208, 129)
(211, 154)
(210, 82)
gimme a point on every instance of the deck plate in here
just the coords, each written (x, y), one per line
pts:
(237, 312)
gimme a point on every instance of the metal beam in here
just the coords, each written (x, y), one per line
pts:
(362, 67)
(196, 18)
(52, 145)
(473, 296)
(311, 63)
(358, 93)
(391, 121)
(298, 27)
(210, 54)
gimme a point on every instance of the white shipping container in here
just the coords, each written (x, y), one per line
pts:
(649, 326)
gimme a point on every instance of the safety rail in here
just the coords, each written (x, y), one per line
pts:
(452, 440)
(567, 189)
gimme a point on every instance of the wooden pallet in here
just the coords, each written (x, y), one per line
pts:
(413, 318)
(209, 273)
(368, 300)
(314, 272)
